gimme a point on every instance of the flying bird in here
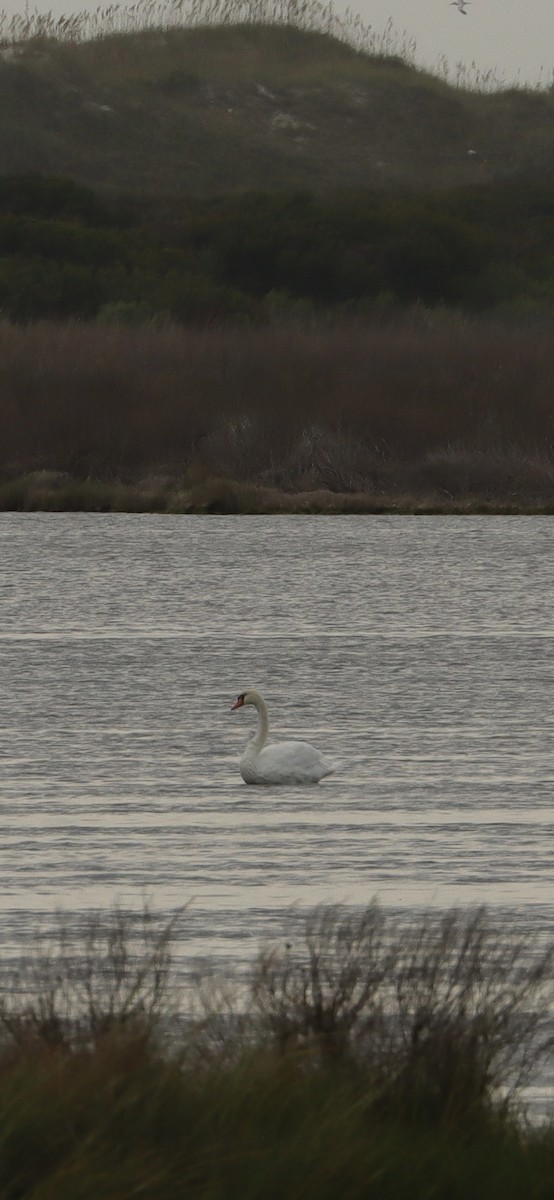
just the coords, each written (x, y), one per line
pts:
(461, 5)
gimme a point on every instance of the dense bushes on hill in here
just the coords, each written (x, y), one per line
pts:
(66, 253)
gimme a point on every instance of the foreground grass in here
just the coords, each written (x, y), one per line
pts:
(121, 1126)
(422, 412)
(362, 1057)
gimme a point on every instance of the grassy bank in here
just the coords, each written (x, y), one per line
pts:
(361, 1057)
(426, 411)
(48, 492)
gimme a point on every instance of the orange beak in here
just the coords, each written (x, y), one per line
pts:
(238, 703)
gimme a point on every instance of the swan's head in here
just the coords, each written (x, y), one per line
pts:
(249, 697)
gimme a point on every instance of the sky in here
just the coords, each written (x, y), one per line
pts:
(514, 38)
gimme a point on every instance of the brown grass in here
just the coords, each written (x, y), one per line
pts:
(420, 410)
(364, 1055)
(450, 1010)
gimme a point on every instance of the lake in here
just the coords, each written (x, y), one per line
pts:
(417, 652)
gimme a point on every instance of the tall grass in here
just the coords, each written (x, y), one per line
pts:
(314, 16)
(162, 15)
(366, 1056)
(431, 407)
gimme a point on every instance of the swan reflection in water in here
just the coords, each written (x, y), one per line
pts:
(280, 762)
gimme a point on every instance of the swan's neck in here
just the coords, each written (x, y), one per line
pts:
(261, 735)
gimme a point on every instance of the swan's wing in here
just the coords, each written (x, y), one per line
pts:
(293, 760)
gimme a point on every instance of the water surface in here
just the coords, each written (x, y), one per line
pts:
(416, 652)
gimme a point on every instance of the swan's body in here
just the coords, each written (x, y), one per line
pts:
(282, 762)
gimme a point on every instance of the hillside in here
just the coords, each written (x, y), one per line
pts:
(207, 110)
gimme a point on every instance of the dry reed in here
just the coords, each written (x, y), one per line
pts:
(436, 408)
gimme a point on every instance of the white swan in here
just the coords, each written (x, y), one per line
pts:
(282, 762)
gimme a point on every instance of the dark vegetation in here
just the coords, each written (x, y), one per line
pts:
(353, 352)
(307, 277)
(66, 252)
(361, 1056)
(424, 410)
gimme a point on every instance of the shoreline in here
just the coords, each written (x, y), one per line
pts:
(49, 492)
